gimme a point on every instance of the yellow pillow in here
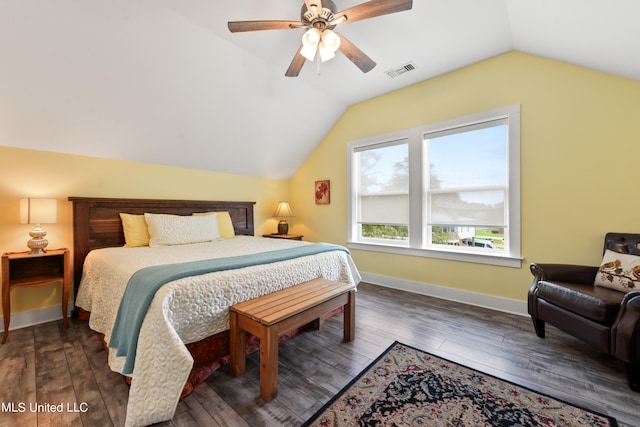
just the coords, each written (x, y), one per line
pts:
(224, 224)
(135, 230)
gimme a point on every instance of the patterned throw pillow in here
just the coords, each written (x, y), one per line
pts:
(619, 271)
(167, 230)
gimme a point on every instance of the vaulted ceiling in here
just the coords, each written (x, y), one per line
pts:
(165, 82)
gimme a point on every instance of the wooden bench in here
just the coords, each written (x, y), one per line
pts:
(271, 315)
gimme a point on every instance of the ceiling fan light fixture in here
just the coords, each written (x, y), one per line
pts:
(310, 40)
(329, 44)
(325, 53)
(309, 52)
(330, 40)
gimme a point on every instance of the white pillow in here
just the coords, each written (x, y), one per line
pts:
(167, 230)
(619, 271)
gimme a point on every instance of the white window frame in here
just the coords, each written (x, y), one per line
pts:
(357, 149)
(417, 245)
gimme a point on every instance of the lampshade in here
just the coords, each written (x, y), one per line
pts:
(325, 42)
(310, 40)
(283, 210)
(38, 211)
(328, 45)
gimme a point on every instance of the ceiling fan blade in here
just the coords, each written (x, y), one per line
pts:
(371, 9)
(296, 65)
(310, 3)
(356, 56)
(240, 26)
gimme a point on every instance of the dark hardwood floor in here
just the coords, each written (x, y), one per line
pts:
(48, 364)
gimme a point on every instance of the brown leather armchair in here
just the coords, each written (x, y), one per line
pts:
(565, 297)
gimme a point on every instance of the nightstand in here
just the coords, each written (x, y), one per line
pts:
(284, 236)
(25, 270)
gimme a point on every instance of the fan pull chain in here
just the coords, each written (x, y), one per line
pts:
(318, 63)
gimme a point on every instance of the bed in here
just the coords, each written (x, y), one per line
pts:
(183, 336)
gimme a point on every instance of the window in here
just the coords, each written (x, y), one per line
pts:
(446, 190)
(382, 190)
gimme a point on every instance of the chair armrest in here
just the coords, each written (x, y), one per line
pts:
(559, 273)
(564, 273)
(625, 333)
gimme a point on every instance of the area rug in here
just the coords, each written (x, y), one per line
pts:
(409, 387)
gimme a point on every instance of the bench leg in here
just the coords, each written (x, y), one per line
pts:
(238, 340)
(350, 317)
(268, 364)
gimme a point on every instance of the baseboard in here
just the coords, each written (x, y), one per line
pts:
(472, 298)
(36, 317)
(44, 315)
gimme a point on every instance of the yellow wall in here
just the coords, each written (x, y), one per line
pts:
(580, 151)
(579, 162)
(29, 173)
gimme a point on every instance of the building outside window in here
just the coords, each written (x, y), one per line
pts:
(445, 190)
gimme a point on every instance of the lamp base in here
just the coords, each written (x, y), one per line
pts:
(283, 227)
(37, 243)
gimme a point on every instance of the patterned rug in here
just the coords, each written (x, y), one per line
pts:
(408, 387)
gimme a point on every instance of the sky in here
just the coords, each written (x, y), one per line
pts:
(477, 157)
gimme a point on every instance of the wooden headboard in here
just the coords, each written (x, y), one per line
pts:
(97, 224)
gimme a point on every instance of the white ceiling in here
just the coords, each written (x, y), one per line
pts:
(165, 82)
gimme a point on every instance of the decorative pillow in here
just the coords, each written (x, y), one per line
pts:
(135, 230)
(167, 230)
(225, 225)
(619, 271)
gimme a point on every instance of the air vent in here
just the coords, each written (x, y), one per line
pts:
(395, 72)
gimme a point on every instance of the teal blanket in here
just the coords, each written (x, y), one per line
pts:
(144, 283)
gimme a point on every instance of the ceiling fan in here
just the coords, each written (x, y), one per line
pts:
(319, 18)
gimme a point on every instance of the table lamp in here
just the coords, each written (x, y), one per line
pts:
(283, 211)
(38, 211)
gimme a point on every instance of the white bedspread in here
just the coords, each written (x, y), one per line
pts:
(189, 309)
